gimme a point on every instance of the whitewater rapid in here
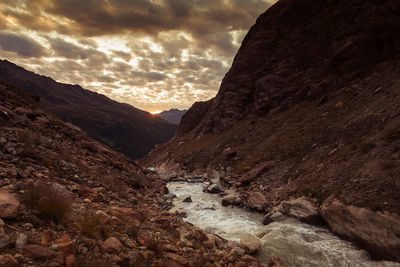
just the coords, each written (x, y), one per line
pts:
(296, 243)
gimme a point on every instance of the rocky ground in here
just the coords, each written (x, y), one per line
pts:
(67, 200)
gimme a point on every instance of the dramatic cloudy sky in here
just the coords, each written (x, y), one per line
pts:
(153, 54)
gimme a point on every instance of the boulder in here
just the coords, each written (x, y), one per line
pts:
(178, 258)
(250, 244)
(376, 232)
(112, 246)
(256, 171)
(65, 244)
(102, 217)
(274, 216)
(213, 242)
(8, 261)
(187, 199)
(2, 228)
(146, 240)
(21, 241)
(38, 252)
(4, 241)
(70, 261)
(275, 261)
(229, 153)
(301, 209)
(256, 200)
(47, 237)
(8, 205)
(230, 199)
(214, 189)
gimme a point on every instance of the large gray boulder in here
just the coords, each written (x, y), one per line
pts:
(301, 209)
(376, 232)
(250, 244)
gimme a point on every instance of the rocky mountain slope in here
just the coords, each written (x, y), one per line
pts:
(124, 128)
(67, 200)
(310, 108)
(173, 115)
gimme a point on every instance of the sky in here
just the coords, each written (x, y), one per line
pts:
(152, 54)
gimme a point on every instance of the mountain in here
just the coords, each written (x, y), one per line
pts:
(123, 127)
(173, 116)
(310, 108)
(67, 200)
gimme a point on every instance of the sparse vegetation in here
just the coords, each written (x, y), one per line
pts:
(50, 200)
(90, 225)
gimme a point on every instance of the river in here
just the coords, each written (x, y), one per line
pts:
(296, 243)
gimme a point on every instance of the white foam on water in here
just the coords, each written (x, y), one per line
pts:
(206, 212)
(296, 243)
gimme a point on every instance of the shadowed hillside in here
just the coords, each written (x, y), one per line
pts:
(123, 127)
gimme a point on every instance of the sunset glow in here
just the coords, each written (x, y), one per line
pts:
(168, 58)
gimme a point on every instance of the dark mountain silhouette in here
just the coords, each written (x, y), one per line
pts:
(173, 115)
(123, 127)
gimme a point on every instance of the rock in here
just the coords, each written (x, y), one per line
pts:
(8, 261)
(275, 261)
(256, 200)
(301, 209)
(214, 189)
(38, 252)
(73, 127)
(27, 226)
(176, 257)
(376, 232)
(70, 261)
(274, 216)
(213, 242)
(47, 237)
(65, 244)
(4, 241)
(170, 196)
(2, 228)
(187, 199)
(250, 244)
(230, 199)
(102, 217)
(259, 169)
(112, 246)
(229, 153)
(21, 241)
(8, 205)
(146, 240)
(6, 113)
(115, 221)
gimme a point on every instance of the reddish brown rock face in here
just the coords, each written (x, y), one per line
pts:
(314, 91)
(299, 50)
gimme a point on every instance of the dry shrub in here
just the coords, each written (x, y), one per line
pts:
(29, 138)
(89, 224)
(49, 199)
(115, 185)
(92, 227)
(156, 247)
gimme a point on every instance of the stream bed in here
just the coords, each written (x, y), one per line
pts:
(296, 243)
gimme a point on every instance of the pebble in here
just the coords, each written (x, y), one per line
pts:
(21, 241)
(27, 226)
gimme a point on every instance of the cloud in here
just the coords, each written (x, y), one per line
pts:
(20, 44)
(66, 49)
(153, 54)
